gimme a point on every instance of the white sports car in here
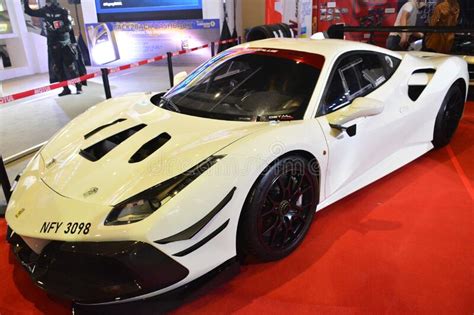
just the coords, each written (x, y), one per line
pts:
(146, 193)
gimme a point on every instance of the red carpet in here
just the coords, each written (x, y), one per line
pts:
(402, 245)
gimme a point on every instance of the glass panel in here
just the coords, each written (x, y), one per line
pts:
(35, 24)
(249, 85)
(357, 75)
(5, 23)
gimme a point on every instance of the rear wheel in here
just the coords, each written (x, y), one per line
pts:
(279, 209)
(448, 117)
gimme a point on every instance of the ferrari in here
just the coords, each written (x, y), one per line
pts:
(147, 193)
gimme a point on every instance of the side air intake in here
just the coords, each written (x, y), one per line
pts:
(418, 81)
(149, 148)
(98, 150)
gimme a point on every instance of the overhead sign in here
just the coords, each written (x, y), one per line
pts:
(127, 6)
(139, 10)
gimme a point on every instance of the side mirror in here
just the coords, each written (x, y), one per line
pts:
(360, 107)
(179, 77)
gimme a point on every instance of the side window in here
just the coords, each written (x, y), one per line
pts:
(357, 75)
(390, 64)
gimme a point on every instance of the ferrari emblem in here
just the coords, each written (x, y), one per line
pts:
(91, 192)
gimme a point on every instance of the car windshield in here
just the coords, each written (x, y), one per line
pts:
(248, 85)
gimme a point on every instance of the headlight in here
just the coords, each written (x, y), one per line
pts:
(145, 203)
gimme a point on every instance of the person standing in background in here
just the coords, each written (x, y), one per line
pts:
(406, 17)
(62, 53)
(446, 13)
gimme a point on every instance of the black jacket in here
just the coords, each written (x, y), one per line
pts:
(57, 21)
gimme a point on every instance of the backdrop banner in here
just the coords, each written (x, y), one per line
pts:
(125, 42)
(147, 10)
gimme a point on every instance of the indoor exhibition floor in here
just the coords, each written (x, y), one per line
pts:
(402, 245)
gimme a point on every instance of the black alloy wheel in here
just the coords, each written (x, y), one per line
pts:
(448, 116)
(280, 208)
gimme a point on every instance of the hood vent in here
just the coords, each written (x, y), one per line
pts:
(93, 132)
(149, 148)
(98, 150)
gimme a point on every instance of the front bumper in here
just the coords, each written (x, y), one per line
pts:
(89, 272)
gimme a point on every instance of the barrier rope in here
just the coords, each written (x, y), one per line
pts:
(46, 88)
(54, 86)
(136, 64)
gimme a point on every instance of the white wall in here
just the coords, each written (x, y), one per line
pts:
(88, 11)
(253, 13)
(213, 9)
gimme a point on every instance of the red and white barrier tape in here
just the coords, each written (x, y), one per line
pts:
(47, 88)
(137, 64)
(185, 51)
(227, 41)
(222, 42)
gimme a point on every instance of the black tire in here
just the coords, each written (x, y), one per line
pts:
(258, 33)
(285, 29)
(268, 31)
(279, 209)
(276, 30)
(448, 117)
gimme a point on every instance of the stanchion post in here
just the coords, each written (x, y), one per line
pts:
(213, 49)
(105, 80)
(170, 67)
(4, 181)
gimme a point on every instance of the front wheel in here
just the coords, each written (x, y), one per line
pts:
(279, 209)
(448, 117)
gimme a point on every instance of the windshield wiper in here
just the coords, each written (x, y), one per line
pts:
(168, 104)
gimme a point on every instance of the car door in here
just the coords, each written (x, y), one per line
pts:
(358, 77)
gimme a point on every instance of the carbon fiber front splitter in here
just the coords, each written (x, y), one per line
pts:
(89, 272)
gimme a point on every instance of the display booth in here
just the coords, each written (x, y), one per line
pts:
(116, 32)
